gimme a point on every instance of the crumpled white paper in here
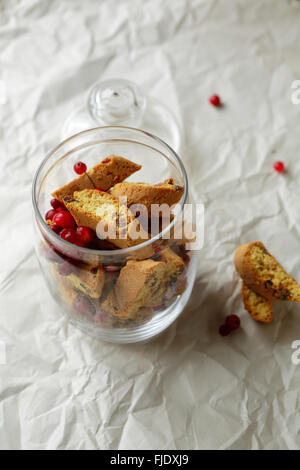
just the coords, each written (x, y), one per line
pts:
(189, 388)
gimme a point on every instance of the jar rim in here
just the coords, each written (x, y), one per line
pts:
(121, 251)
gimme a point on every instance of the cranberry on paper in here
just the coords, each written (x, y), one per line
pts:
(233, 321)
(279, 167)
(215, 100)
(224, 330)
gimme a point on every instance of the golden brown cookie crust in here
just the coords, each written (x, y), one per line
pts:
(174, 267)
(78, 184)
(258, 307)
(138, 280)
(261, 283)
(104, 175)
(147, 194)
(112, 170)
(91, 207)
(85, 278)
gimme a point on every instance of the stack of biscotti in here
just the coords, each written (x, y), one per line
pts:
(137, 282)
(142, 283)
(264, 281)
(90, 207)
(132, 293)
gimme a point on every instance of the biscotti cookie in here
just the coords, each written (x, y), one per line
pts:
(112, 170)
(91, 207)
(174, 266)
(79, 304)
(137, 282)
(104, 175)
(78, 184)
(88, 279)
(110, 305)
(257, 306)
(143, 315)
(85, 278)
(263, 274)
(174, 263)
(147, 194)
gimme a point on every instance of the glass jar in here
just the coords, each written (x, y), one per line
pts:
(117, 295)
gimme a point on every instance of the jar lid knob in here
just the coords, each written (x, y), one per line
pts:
(117, 102)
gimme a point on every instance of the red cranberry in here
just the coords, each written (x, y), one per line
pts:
(52, 254)
(80, 168)
(111, 268)
(80, 243)
(100, 189)
(55, 228)
(65, 268)
(186, 258)
(83, 306)
(279, 167)
(50, 214)
(100, 316)
(62, 207)
(224, 330)
(69, 235)
(55, 203)
(182, 249)
(233, 322)
(215, 100)
(106, 160)
(64, 219)
(85, 234)
(156, 248)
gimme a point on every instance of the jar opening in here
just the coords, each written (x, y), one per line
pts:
(52, 237)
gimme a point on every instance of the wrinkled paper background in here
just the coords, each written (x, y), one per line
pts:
(189, 388)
